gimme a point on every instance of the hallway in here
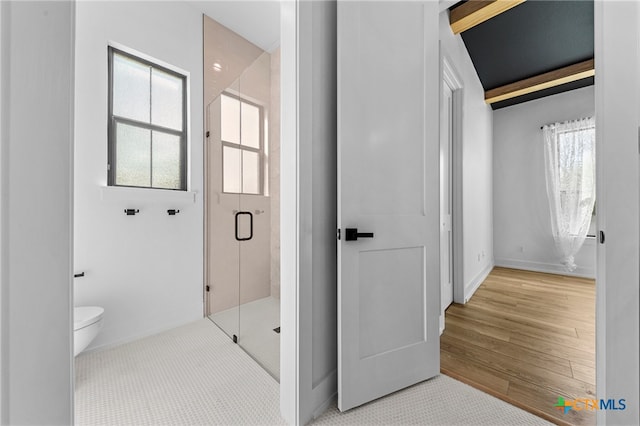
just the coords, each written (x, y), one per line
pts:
(526, 338)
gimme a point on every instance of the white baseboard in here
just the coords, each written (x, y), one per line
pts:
(325, 392)
(325, 405)
(147, 333)
(550, 268)
(471, 287)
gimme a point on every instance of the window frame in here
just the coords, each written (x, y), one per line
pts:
(241, 148)
(113, 121)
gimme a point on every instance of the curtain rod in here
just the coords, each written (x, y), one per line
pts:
(568, 121)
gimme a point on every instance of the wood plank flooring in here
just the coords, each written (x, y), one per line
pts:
(527, 338)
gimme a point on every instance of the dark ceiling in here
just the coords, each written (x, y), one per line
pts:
(532, 38)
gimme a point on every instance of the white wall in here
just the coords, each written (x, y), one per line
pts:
(145, 270)
(477, 139)
(36, 210)
(522, 230)
(617, 30)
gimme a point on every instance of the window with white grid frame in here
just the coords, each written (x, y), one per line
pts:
(242, 136)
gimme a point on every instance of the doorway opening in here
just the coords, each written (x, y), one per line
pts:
(528, 334)
(242, 220)
(451, 279)
(446, 204)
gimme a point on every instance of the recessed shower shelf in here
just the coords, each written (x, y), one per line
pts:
(126, 194)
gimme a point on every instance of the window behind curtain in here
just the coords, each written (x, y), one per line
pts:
(147, 124)
(573, 169)
(569, 151)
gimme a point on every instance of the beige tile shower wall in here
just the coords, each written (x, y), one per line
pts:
(236, 272)
(232, 52)
(274, 172)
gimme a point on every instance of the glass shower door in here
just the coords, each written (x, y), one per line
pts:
(240, 299)
(223, 208)
(259, 310)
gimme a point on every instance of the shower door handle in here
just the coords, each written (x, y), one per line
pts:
(238, 214)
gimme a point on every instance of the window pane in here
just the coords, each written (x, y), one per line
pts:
(231, 169)
(166, 161)
(166, 98)
(131, 88)
(250, 172)
(133, 156)
(250, 135)
(230, 119)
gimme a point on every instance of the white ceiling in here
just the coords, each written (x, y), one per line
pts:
(256, 20)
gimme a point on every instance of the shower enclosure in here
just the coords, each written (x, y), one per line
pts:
(242, 187)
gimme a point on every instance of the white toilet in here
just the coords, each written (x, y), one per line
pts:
(87, 322)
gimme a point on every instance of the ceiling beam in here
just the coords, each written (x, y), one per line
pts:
(475, 12)
(540, 82)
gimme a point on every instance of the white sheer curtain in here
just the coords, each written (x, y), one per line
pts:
(569, 151)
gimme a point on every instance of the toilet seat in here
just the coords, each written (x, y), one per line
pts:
(84, 316)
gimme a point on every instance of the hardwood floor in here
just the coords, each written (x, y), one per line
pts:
(527, 338)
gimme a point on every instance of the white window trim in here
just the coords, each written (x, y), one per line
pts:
(150, 195)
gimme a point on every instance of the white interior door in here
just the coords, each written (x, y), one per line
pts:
(388, 183)
(446, 241)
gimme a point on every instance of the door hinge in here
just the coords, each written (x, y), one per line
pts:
(601, 237)
(235, 339)
(338, 233)
(208, 133)
(208, 288)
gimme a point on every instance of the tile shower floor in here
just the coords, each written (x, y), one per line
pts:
(255, 322)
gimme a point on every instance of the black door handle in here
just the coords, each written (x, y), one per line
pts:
(250, 226)
(352, 234)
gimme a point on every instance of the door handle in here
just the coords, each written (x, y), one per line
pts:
(352, 234)
(250, 226)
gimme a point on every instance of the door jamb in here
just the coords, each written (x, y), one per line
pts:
(290, 356)
(601, 249)
(451, 77)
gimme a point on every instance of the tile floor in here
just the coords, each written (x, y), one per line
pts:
(195, 375)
